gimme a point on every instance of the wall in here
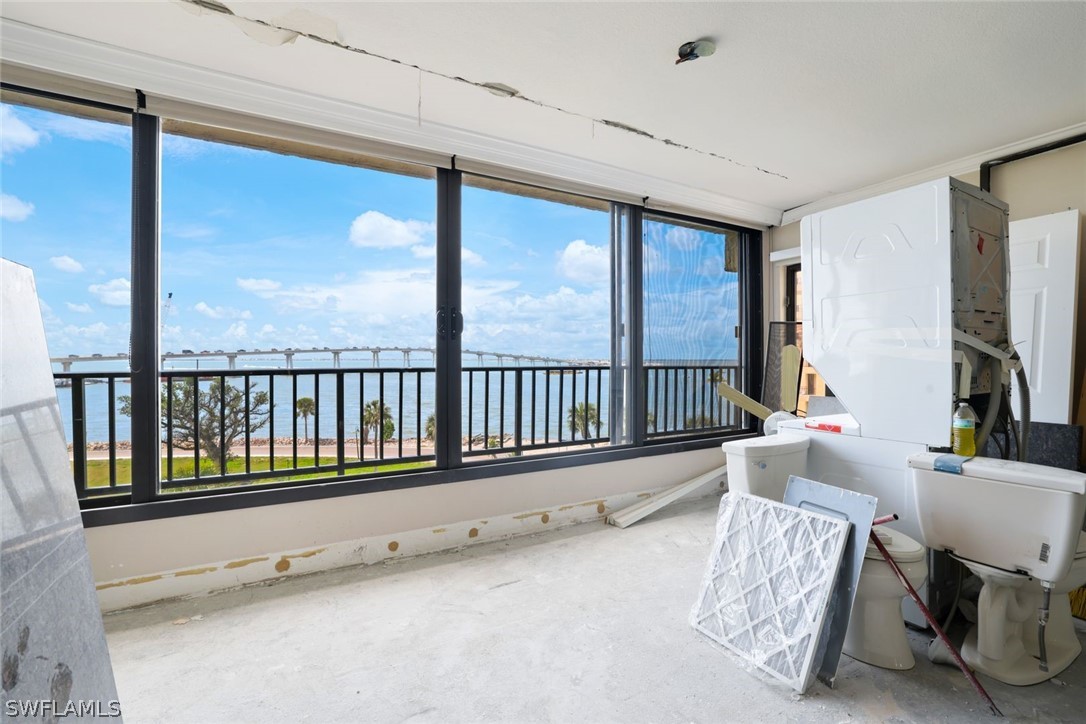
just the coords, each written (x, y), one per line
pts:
(1045, 184)
(137, 563)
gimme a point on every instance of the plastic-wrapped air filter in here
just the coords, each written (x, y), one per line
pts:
(766, 591)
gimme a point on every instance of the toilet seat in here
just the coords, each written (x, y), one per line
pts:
(901, 547)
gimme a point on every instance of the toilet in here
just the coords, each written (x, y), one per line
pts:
(1014, 525)
(762, 465)
(876, 629)
(1007, 647)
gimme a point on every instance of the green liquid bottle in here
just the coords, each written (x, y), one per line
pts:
(963, 432)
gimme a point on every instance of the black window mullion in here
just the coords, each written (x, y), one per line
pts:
(447, 415)
(144, 354)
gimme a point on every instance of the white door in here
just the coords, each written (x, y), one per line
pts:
(1044, 283)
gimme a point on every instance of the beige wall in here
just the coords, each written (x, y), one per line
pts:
(1036, 186)
(151, 547)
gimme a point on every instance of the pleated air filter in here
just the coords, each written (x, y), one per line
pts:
(767, 588)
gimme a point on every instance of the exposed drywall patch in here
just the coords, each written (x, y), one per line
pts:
(127, 582)
(540, 513)
(321, 30)
(439, 530)
(300, 20)
(197, 571)
(598, 503)
(229, 575)
(264, 33)
(393, 546)
(245, 562)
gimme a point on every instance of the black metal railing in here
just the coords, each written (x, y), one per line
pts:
(682, 399)
(237, 427)
(264, 410)
(522, 409)
(90, 406)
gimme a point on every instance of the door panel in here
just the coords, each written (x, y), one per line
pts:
(1044, 282)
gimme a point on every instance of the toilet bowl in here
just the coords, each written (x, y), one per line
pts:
(876, 629)
(1012, 524)
(762, 465)
(1005, 642)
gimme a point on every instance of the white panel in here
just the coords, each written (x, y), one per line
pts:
(1044, 283)
(877, 310)
(766, 589)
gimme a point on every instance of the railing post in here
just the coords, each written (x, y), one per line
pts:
(518, 411)
(79, 437)
(340, 431)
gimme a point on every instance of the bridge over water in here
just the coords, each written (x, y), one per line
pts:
(288, 355)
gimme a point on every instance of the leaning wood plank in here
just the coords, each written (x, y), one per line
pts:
(629, 516)
(747, 403)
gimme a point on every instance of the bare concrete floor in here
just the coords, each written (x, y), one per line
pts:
(585, 624)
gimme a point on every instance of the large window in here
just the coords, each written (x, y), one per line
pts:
(297, 289)
(65, 212)
(692, 325)
(537, 308)
(230, 310)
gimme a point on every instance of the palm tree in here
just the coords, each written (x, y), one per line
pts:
(431, 426)
(374, 418)
(303, 408)
(582, 419)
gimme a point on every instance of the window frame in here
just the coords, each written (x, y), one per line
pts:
(146, 502)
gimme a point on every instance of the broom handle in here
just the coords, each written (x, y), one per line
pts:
(934, 624)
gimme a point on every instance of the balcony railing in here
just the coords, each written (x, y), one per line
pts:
(682, 399)
(524, 409)
(231, 428)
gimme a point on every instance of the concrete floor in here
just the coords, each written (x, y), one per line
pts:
(585, 624)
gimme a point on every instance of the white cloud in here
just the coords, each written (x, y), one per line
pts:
(258, 286)
(683, 238)
(237, 331)
(429, 251)
(222, 312)
(81, 308)
(582, 262)
(84, 129)
(15, 134)
(66, 264)
(376, 230)
(114, 293)
(14, 209)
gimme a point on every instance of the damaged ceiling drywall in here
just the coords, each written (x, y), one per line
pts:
(299, 22)
(799, 101)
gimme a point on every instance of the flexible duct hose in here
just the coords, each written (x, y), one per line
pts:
(1023, 396)
(995, 398)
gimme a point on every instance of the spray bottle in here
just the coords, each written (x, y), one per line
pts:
(963, 432)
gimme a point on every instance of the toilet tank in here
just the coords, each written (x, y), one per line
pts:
(761, 465)
(1015, 516)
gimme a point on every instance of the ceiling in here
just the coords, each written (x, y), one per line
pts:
(801, 100)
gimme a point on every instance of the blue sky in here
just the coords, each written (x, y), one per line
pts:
(263, 250)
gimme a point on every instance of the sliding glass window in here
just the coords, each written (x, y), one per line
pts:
(297, 293)
(692, 326)
(65, 212)
(537, 320)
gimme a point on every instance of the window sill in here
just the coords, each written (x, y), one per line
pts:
(211, 502)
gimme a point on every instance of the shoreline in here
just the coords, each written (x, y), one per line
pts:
(284, 448)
